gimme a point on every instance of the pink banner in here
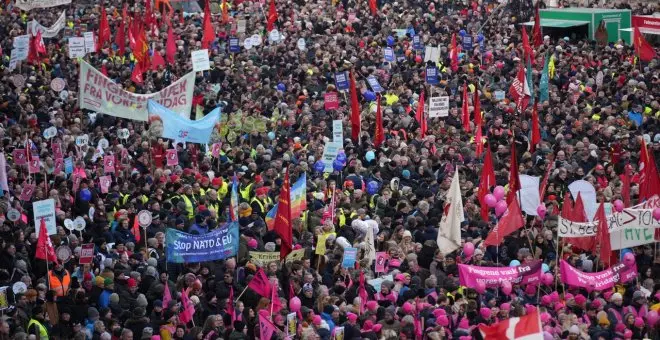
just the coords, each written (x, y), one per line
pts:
(58, 166)
(381, 258)
(597, 281)
(109, 164)
(215, 150)
(34, 166)
(526, 273)
(172, 157)
(331, 101)
(57, 151)
(18, 156)
(104, 183)
(26, 193)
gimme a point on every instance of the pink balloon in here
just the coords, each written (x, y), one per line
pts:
(500, 208)
(656, 213)
(629, 259)
(548, 279)
(652, 318)
(506, 288)
(498, 192)
(554, 296)
(541, 210)
(618, 205)
(468, 249)
(490, 200)
(294, 304)
(481, 287)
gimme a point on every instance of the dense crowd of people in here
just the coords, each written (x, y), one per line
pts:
(591, 129)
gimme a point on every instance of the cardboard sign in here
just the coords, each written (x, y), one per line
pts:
(338, 132)
(76, 47)
(45, 210)
(104, 183)
(200, 60)
(19, 156)
(90, 42)
(172, 157)
(34, 166)
(341, 80)
(109, 164)
(86, 253)
(375, 86)
(438, 107)
(331, 101)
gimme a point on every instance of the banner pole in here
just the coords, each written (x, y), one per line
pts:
(239, 296)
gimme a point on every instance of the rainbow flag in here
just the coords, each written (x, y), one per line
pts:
(270, 217)
(299, 196)
(233, 200)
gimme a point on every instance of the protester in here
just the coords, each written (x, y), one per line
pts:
(293, 198)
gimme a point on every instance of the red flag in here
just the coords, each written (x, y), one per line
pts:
(170, 47)
(373, 7)
(465, 114)
(537, 37)
(283, 218)
(454, 53)
(514, 179)
(225, 12)
(355, 111)
(476, 102)
(39, 43)
(478, 140)
(362, 293)
(649, 180)
(104, 70)
(419, 115)
(603, 235)
(487, 180)
(136, 76)
(157, 60)
(167, 296)
(524, 327)
(120, 37)
(625, 188)
(186, 314)
(260, 284)
(578, 214)
(266, 327)
(209, 30)
(511, 221)
(528, 52)
(230, 304)
(272, 16)
(567, 207)
(45, 250)
(644, 50)
(544, 183)
(133, 31)
(275, 300)
(104, 29)
(536, 129)
(35, 47)
(141, 51)
(519, 89)
(379, 135)
(136, 229)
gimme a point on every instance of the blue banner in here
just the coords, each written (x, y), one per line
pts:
(467, 43)
(181, 129)
(234, 46)
(375, 86)
(350, 255)
(388, 53)
(68, 165)
(341, 78)
(218, 244)
(432, 75)
(417, 43)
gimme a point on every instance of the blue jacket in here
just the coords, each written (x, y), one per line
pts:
(328, 319)
(104, 299)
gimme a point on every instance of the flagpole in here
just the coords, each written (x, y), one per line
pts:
(239, 296)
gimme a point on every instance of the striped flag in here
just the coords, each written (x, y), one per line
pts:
(233, 200)
(527, 327)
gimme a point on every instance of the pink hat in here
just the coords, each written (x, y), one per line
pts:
(546, 300)
(368, 325)
(442, 320)
(545, 317)
(465, 324)
(639, 322)
(596, 304)
(607, 295)
(465, 338)
(530, 309)
(627, 334)
(530, 290)
(297, 246)
(580, 299)
(619, 328)
(400, 277)
(372, 305)
(559, 306)
(252, 243)
(485, 312)
(506, 306)
(352, 317)
(377, 327)
(317, 320)
(407, 307)
(394, 263)
(568, 296)
(439, 312)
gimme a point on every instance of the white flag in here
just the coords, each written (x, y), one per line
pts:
(449, 234)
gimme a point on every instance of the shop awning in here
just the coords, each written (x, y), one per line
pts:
(643, 30)
(558, 23)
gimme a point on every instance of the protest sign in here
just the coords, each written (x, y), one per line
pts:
(606, 279)
(499, 95)
(381, 258)
(568, 228)
(34, 27)
(34, 165)
(341, 80)
(350, 255)
(99, 93)
(172, 157)
(330, 152)
(331, 101)
(76, 47)
(432, 75)
(27, 5)
(431, 54)
(109, 164)
(374, 84)
(388, 54)
(26, 192)
(240, 26)
(529, 194)
(632, 237)
(417, 42)
(86, 253)
(339, 333)
(200, 60)
(19, 54)
(104, 183)
(90, 42)
(4, 302)
(58, 166)
(22, 43)
(182, 129)
(19, 156)
(68, 165)
(218, 244)
(262, 258)
(377, 282)
(338, 132)
(291, 324)
(438, 107)
(625, 221)
(234, 45)
(467, 42)
(526, 273)
(45, 210)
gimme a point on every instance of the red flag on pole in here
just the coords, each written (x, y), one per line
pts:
(649, 180)
(487, 180)
(355, 111)
(477, 106)
(230, 305)
(478, 141)
(188, 311)
(511, 221)
(272, 16)
(524, 327)
(528, 52)
(136, 229)
(603, 235)
(537, 37)
(167, 296)
(519, 89)
(104, 29)
(419, 115)
(225, 12)
(136, 75)
(379, 135)
(514, 179)
(454, 53)
(45, 250)
(642, 47)
(465, 114)
(120, 37)
(373, 7)
(170, 46)
(362, 293)
(209, 31)
(536, 129)
(260, 283)
(283, 218)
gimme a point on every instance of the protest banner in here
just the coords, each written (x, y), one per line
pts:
(182, 129)
(331, 101)
(34, 27)
(99, 93)
(27, 5)
(291, 324)
(330, 152)
(109, 164)
(34, 165)
(45, 210)
(299, 196)
(632, 237)
(526, 273)
(377, 282)
(432, 75)
(374, 84)
(338, 132)
(350, 256)
(628, 228)
(381, 258)
(76, 47)
(606, 279)
(104, 183)
(200, 60)
(262, 258)
(90, 42)
(341, 80)
(86, 253)
(218, 244)
(438, 107)
(172, 157)
(26, 192)
(388, 54)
